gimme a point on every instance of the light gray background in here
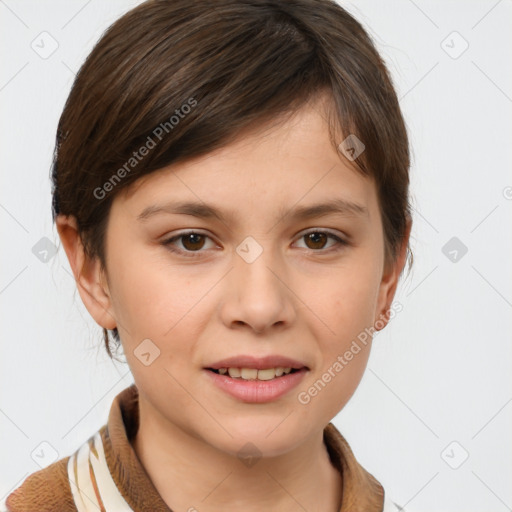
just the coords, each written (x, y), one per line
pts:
(439, 373)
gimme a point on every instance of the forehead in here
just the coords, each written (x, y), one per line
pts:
(273, 166)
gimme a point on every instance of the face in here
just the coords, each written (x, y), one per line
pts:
(188, 290)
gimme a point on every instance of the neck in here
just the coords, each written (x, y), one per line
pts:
(187, 472)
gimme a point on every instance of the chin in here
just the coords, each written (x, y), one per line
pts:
(258, 438)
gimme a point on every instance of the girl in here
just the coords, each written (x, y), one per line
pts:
(230, 185)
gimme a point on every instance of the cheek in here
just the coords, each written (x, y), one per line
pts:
(157, 303)
(346, 310)
(150, 292)
(345, 303)
(343, 362)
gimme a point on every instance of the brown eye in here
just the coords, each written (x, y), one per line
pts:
(192, 241)
(188, 244)
(316, 240)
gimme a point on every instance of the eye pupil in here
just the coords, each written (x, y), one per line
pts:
(193, 239)
(318, 239)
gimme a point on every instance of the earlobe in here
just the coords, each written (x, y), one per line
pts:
(89, 277)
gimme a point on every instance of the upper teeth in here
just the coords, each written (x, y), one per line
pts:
(253, 373)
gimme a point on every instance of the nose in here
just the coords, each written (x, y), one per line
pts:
(256, 294)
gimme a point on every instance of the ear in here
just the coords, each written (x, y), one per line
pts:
(390, 280)
(89, 277)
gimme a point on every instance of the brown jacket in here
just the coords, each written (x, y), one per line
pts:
(105, 474)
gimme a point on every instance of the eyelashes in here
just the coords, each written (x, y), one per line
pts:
(197, 238)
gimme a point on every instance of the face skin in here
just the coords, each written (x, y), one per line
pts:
(307, 299)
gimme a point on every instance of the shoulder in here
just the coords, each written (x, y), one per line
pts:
(45, 490)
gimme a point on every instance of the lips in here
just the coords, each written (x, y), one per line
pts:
(258, 363)
(256, 391)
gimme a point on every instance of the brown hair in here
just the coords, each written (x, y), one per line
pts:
(182, 78)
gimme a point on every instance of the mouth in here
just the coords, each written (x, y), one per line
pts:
(253, 385)
(254, 374)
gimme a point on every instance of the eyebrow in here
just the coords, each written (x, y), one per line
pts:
(205, 211)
